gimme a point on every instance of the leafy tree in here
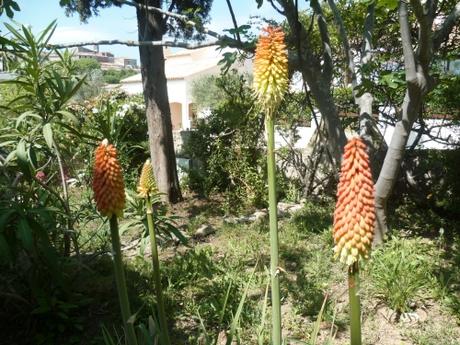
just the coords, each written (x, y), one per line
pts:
(152, 26)
(86, 65)
(114, 76)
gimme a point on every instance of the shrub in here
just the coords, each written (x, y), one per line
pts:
(229, 147)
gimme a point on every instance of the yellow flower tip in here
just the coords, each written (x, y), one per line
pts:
(354, 214)
(108, 185)
(147, 185)
(270, 68)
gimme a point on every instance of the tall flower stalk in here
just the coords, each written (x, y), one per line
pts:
(270, 84)
(354, 219)
(109, 194)
(147, 188)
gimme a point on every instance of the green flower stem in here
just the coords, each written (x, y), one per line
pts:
(156, 275)
(275, 282)
(120, 279)
(355, 304)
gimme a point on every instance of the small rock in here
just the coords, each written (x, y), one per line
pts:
(410, 317)
(259, 215)
(204, 231)
(231, 220)
(295, 208)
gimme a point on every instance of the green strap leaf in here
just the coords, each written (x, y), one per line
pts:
(23, 161)
(25, 115)
(25, 233)
(48, 135)
(68, 115)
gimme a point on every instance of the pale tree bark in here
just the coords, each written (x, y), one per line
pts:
(368, 129)
(419, 83)
(151, 28)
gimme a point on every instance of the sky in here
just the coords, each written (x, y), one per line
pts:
(120, 23)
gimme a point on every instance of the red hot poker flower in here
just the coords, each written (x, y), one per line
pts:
(354, 214)
(108, 185)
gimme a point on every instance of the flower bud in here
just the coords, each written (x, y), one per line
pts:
(147, 185)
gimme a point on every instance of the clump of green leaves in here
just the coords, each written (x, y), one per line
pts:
(400, 272)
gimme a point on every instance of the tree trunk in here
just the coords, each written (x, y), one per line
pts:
(321, 93)
(393, 159)
(151, 28)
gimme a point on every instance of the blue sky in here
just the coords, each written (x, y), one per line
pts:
(119, 23)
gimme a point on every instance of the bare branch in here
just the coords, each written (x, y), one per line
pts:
(425, 48)
(368, 29)
(131, 43)
(324, 33)
(446, 28)
(235, 24)
(409, 60)
(345, 43)
(229, 41)
(276, 8)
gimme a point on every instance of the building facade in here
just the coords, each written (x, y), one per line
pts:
(182, 68)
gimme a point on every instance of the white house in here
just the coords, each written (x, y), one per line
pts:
(182, 68)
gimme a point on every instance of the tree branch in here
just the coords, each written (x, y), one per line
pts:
(446, 28)
(131, 43)
(327, 51)
(276, 8)
(409, 59)
(184, 19)
(235, 24)
(345, 43)
(368, 29)
(425, 47)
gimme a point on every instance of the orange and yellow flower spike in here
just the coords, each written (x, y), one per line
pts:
(271, 68)
(354, 214)
(108, 185)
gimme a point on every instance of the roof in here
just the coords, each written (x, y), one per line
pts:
(185, 63)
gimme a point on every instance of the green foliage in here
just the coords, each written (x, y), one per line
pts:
(444, 99)
(9, 6)
(400, 272)
(114, 76)
(227, 144)
(433, 194)
(35, 216)
(86, 65)
(194, 10)
(120, 119)
(136, 221)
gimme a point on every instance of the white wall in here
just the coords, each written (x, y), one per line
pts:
(132, 88)
(449, 133)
